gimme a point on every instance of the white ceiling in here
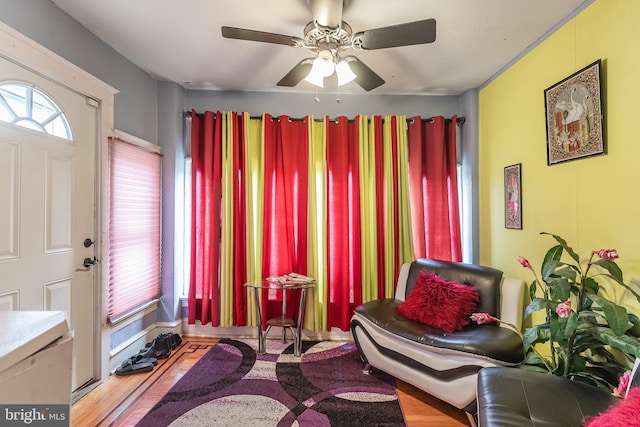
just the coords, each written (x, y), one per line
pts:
(180, 41)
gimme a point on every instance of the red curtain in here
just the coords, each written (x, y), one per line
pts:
(434, 188)
(206, 190)
(239, 276)
(344, 268)
(380, 200)
(207, 143)
(286, 172)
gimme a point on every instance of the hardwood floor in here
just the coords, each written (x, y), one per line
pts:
(122, 401)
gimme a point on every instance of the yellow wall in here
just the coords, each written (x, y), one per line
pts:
(592, 202)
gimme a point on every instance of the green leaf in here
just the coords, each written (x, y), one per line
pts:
(635, 329)
(538, 304)
(535, 362)
(591, 286)
(563, 328)
(554, 330)
(532, 290)
(567, 272)
(578, 363)
(566, 247)
(592, 379)
(611, 267)
(570, 324)
(534, 368)
(536, 334)
(624, 343)
(533, 358)
(551, 262)
(560, 289)
(616, 316)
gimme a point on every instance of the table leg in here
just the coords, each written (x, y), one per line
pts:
(297, 346)
(284, 315)
(262, 345)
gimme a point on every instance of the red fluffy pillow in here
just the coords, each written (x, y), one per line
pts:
(623, 413)
(439, 303)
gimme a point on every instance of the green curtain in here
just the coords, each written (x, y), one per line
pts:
(254, 165)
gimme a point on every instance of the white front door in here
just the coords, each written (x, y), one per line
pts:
(47, 210)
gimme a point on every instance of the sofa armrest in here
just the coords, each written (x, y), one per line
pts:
(511, 301)
(401, 287)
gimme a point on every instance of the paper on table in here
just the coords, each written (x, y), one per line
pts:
(291, 279)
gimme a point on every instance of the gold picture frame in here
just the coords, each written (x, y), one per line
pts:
(574, 116)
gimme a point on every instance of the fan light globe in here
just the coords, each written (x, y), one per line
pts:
(322, 67)
(344, 73)
(315, 79)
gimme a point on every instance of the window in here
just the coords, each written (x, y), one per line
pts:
(134, 228)
(23, 105)
(186, 247)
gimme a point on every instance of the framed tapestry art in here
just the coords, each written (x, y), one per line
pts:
(574, 116)
(513, 197)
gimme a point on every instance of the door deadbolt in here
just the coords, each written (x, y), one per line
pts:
(88, 242)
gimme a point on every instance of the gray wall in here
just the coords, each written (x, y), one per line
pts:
(469, 136)
(170, 137)
(42, 21)
(301, 104)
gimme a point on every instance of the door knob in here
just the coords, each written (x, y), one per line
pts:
(88, 262)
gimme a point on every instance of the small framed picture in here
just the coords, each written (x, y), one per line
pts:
(574, 116)
(513, 196)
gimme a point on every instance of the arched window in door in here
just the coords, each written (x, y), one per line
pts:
(27, 106)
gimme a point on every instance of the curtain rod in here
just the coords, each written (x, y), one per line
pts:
(459, 120)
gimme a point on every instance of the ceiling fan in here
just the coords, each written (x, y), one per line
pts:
(328, 36)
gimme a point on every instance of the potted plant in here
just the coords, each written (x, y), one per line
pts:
(590, 337)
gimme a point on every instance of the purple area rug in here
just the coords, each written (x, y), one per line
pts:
(232, 385)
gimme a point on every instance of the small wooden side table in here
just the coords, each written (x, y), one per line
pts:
(282, 321)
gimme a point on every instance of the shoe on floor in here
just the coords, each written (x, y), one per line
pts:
(131, 366)
(160, 348)
(175, 340)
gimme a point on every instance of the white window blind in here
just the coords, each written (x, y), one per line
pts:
(134, 227)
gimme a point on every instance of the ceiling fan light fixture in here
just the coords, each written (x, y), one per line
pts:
(344, 73)
(315, 79)
(323, 66)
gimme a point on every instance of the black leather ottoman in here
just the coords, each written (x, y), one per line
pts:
(512, 397)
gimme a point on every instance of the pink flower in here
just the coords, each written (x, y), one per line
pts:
(525, 262)
(481, 318)
(623, 383)
(609, 254)
(564, 309)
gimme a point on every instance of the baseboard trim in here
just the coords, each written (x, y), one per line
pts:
(200, 330)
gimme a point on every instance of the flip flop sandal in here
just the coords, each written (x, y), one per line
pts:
(130, 368)
(138, 358)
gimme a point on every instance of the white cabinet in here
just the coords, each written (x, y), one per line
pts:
(35, 358)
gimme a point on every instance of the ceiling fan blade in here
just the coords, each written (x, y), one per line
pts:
(418, 32)
(366, 77)
(260, 36)
(297, 73)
